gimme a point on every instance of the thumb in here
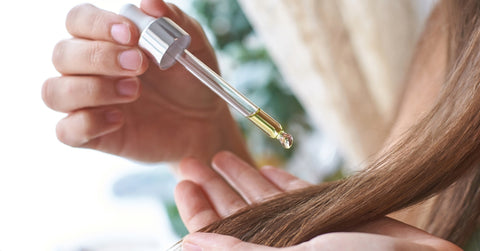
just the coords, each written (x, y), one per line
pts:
(158, 8)
(208, 241)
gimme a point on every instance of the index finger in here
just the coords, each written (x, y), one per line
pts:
(89, 22)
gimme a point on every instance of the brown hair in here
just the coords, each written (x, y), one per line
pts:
(439, 155)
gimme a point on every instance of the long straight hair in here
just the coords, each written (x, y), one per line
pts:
(438, 156)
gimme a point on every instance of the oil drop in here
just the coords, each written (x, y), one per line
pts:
(271, 127)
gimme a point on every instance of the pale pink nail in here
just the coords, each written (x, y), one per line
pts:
(127, 87)
(130, 60)
(121, 33)
(267, 167)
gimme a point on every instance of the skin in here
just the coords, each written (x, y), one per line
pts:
(423, 84)
(210, 194)
(422, 88)
(119, 102)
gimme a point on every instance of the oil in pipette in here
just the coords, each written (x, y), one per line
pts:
(271, 127)
(167, 43)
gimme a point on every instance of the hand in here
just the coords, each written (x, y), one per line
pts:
(121, 103)
(209, 195)
(327, 242)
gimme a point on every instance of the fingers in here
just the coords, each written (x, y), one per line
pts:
(91, 56)
(243, 178)
(208, 195)
(327, 242)
(224, 200)
(208, 241)
(282, 179)
(83, 126)
(69, 93)
(194, 206)
(103, 44)
(98, 58)
(89, 22)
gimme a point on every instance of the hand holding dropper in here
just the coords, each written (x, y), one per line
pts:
(166, 43)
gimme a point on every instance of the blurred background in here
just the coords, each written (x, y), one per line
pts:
(54, 197)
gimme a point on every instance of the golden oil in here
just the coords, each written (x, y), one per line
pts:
(271, 127)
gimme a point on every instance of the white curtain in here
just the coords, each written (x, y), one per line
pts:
(344, 59)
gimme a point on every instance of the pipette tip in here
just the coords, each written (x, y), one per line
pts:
(286, 140)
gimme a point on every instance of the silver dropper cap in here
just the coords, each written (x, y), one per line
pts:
(163, 39)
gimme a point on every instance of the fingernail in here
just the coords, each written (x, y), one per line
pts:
(121, 33)
(130, 60)
(113, 116)
(187, 246)
(127, 87)
(267, 167)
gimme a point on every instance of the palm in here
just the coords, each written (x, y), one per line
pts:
(170, 120)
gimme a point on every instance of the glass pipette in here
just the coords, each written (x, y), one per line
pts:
(166, 43)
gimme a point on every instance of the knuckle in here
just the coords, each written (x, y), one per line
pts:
(75, 14)
(68, 89)
(80, 93)
(97, 55)
(93, 89)
(71, 91)
(98, 21)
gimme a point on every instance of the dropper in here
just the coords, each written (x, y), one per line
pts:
(167, 43)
